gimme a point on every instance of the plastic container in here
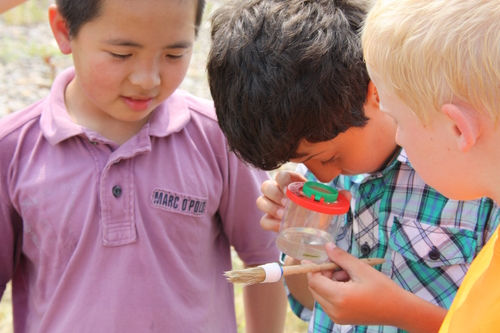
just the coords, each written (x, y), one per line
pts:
(313, 217)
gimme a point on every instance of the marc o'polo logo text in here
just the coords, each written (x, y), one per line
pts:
(178, 202)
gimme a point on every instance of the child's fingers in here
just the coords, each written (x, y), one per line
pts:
(317, 281)
(341, 276)
(270, 207)
(273, 200)
(331, 302)
(346, 261)
(346, 194)
(322, 288)
(324, 302)
(267, 222)
(335, 275)
(284, 178)
(327, 274)
(273, 193)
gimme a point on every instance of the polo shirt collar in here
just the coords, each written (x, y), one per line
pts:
(169, 117)
(55, 122)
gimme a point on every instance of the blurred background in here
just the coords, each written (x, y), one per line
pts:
(29, 62)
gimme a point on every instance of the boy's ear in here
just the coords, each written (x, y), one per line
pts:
(59, 29)
(466, 127)
(372, 95)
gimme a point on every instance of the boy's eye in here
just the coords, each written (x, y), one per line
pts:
(329, 161)
(120, 56)
(174, 56)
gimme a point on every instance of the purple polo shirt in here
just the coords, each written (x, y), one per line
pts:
(134, 238)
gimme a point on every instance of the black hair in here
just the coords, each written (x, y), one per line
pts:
(78, 12)
(281, 71)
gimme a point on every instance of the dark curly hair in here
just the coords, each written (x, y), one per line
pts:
(78, 12)
(281, 71)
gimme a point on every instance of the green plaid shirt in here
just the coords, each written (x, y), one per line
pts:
(428, 241)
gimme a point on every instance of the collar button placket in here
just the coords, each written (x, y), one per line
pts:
(118, 213)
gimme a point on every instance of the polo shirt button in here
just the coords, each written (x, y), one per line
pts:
(365, 249)
(434, 254)
(117, 191)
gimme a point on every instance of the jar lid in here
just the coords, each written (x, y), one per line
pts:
(318, 197)
(319, 191)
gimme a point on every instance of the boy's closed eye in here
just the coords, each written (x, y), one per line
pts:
(120, 56)
(331, 160)
(174, 56)
(126, 56)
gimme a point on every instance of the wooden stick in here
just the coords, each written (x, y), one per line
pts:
(328, 266)
(273, 272)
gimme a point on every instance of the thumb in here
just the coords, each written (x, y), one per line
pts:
(285, 177)
(346, 194)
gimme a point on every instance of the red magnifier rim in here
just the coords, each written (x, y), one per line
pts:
(295, 194)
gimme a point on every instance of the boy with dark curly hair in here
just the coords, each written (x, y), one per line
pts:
(289, 84)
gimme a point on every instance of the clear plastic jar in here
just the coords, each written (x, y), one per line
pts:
(312, 218)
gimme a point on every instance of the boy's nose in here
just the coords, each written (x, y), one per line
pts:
(146, 77)
(322, 173)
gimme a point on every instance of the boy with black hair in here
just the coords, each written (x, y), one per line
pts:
(118, 199)
(289, 84)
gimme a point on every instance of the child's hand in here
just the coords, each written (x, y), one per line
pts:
(273, 200)
(359, 295)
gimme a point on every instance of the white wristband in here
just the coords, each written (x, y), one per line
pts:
(273, 272)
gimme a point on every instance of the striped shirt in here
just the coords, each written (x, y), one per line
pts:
(427, 240)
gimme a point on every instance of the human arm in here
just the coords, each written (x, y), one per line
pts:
(297, 285)
(10, 242)
(265, 307)
(266, 303)
(361, 295)
(5, 5)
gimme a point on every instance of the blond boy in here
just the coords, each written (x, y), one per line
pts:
(436, 65)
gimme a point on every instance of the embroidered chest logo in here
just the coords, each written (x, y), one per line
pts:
(178, 202)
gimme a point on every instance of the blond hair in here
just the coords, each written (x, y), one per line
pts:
(427, 52)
